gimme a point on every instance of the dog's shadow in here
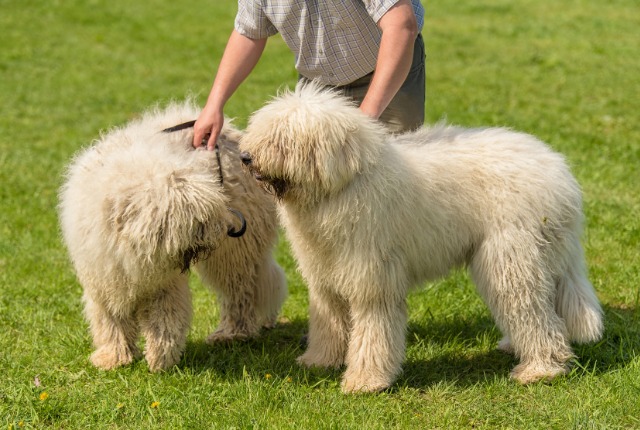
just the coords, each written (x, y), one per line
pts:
(479, 361)
(457, 351)
(270, 355)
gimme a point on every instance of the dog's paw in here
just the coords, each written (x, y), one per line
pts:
(357, 384)
(315, 360)
(528, 373)
(505, 345)
(270, 323)
(160, 362)
(223, 336)
(228, 331)
(109, 357)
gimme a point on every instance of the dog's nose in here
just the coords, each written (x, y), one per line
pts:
(246, 158)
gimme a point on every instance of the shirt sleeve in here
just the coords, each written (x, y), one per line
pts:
(251, 20)
(377, 8)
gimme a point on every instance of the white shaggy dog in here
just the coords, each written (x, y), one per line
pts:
(369, 215)
(137, 208)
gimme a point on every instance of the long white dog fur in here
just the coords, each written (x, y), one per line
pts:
(370, 215)
(136, 209)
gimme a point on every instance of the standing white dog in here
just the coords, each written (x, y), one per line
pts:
(137, 208)
(369, 215)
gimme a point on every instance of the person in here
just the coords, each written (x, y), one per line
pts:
(371, 50)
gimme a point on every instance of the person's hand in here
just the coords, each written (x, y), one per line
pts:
(369, 111)
(239, 58)
(208, 126)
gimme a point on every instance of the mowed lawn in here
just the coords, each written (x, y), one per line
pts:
(567, 72)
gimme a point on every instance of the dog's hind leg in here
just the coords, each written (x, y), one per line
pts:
(238, 312)
(576, 300)
(236, 287)
(113, 336)
(328, 329)
(271, 292)
(520, 292)
(165, 319)
(376, 344)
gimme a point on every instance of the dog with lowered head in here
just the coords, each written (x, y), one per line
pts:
(139, 207)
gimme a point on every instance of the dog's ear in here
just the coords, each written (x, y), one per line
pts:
(163, 218)
(350, 147)
(132, 238)
(343, 140)
(337, 157)
(139, 224)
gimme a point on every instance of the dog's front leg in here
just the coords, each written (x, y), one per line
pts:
(165, 320)
(377, 344)
(328, 329)
(114, 336)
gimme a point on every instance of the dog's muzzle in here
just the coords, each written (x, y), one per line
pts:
(247, 160)
(274, 186)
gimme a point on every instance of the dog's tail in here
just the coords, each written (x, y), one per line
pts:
(576, 300)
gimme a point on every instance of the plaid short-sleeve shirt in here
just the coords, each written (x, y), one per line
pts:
(335, 42)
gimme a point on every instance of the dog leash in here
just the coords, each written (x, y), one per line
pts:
(183, 126)
(189, 124)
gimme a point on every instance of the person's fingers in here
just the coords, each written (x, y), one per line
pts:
(198, 134)
(215, 130)
(211, 143)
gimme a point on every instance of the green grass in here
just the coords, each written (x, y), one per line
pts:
(567, 72)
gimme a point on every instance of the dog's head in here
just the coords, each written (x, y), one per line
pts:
(310, 143)
(172, 228)
(169, 210)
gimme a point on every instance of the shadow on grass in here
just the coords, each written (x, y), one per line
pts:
(458, 352)
(618, 347)
(273, 352)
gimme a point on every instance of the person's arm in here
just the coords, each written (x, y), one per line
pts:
(240, 57)
(399, 31)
